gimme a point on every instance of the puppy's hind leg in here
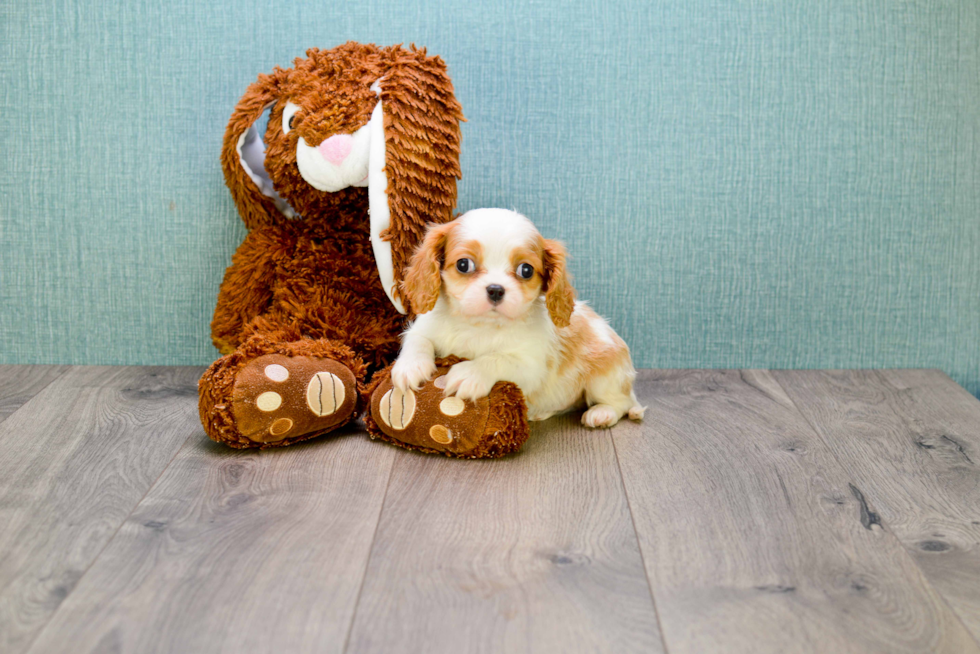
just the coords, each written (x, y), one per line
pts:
(610, 397)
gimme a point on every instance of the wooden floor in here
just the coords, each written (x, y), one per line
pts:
(752, 511)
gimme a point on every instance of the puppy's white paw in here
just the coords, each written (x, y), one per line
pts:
(410, 374)
(467, 381)
(601, 415)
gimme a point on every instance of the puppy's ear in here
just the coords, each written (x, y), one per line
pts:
(243, 152)
(423, 279)
(559, 293)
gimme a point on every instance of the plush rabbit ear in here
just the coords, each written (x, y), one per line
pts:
(242, 156)
(413, 168)
(559, 293)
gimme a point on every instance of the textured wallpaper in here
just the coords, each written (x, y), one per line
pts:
(782, 183)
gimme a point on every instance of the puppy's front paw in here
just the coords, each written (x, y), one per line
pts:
(410, 374)
(467, 381)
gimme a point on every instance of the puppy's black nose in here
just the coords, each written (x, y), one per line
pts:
(496, 293)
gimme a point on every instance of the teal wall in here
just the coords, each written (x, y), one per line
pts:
(784, 183)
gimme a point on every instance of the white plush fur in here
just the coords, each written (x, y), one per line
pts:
(558, 369)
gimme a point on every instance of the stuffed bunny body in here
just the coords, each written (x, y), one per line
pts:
(361, 152)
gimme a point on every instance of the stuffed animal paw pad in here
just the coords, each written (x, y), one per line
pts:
(278, 397)
(427, 419)
(396, 409)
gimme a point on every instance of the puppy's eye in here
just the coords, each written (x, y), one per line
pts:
(465, 266)
(288, 113)
(525, 271)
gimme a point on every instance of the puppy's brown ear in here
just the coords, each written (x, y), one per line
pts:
(423, 278)
(559, 293)
(242, 154)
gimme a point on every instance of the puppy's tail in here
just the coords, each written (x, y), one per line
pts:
(636, 413)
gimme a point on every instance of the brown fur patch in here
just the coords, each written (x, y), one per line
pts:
(455, 282)
(582, 346)
(423, 280)
(533, 255)
(559, 293)
(456, 250)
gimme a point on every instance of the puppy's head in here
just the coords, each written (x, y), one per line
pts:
(493, 264)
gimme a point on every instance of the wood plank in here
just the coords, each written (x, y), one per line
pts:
(235, 551)
(531, 553)
(18, 384)
(911, 440)
(755, 539)
(74, 462)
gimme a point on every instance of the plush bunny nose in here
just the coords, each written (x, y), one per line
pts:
(336, 148)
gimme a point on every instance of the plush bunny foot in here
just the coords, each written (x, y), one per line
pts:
(427, 420)
(278, 397)
(272, 392)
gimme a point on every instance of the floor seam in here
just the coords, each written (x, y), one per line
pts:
(639, 547)
(367, 563)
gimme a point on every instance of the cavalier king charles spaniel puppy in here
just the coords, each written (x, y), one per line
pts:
(487, 287)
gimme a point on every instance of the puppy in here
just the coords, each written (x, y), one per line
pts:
(488, 288)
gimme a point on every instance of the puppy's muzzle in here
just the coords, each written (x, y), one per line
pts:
(495, 293)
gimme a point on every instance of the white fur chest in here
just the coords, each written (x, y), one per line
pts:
(531, 339)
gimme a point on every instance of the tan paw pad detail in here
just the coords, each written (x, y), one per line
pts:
(324, 393)
(281, 426)
(440, 434)
(451, 406)
(397, 409)
(268, 401)
(276, 373)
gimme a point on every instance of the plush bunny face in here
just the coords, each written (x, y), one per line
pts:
(344, 123)
(321, 128)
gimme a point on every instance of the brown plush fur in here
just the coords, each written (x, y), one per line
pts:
(309, 286)
(505, 432)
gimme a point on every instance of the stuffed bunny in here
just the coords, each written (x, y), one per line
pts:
(361, 151)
